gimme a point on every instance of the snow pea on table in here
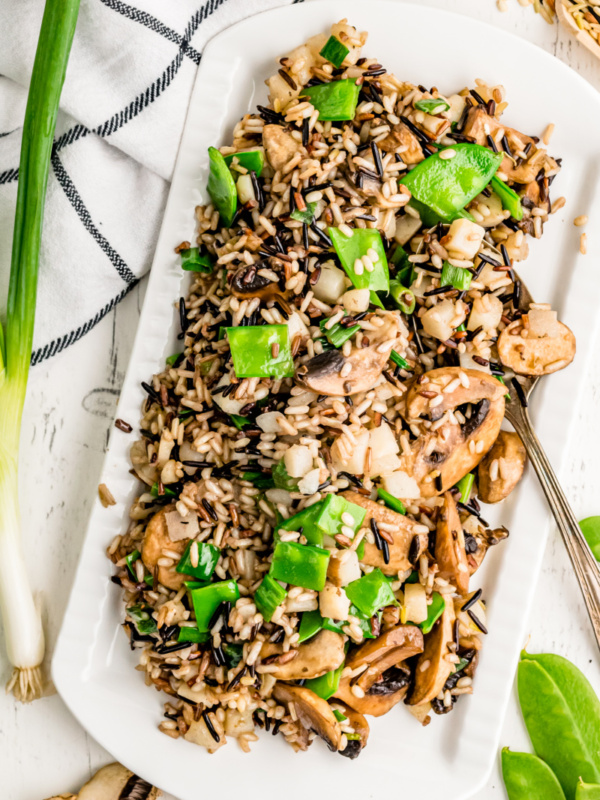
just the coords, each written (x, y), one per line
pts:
(587, 791)
(527, 777)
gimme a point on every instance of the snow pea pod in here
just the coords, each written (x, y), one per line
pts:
(590, 527)
(587, 791)
(527, 777)
(562, 715)
(221, 187)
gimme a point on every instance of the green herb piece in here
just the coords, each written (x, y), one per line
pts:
(459, 277)
(192, 261)
(262, 480)
(587, 791)
(334, 101)
(403, 297)
(154, 491)
(432, 105)
(307, 215)
(413, 577)
(461, 665)
(371, 592)
(391, 501)
(221, 187)
(239, 422)
(300, 565)
(233, 653)
(130, 561)
(334, 51)
(351, 248)
(172, 360)
(501, 379)
(339, 716)
(192, 635)
(252, 160)
(338, 334)
(282, 479)
(562, 716)
(141, 614)
(527, 777)
(326, 686)
(434, 611)
(269, 596)
(590, 527)
(446, 186)
(261, 351)
(208, 557)
(464, 486)
(399, 361)
(207, 598)
(508, 197)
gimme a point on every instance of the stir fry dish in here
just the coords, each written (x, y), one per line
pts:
(301, 555)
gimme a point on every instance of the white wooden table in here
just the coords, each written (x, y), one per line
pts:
(69, 410)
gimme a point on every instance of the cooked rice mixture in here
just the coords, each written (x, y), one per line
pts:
(300, 555)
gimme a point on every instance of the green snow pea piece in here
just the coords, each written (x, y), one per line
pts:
(587, 791)
(464, 486)
(434, 611)
(221, 187)
(562, 715)
(306, 520)
(326, 685)
(300, 564)
(458, 277)
(268, 596)
(446, 186)
(402, 297)
(391, 502)
(208, 597)
(141, 614)
(261, 351)
(329, 518)
(371, 592)
(310, 624)
(590, 527)
(208, 556)
(252, 160)
(334, 51)
(508, 197)
(192, 635)
(337, 334)
(334, 101)
(193, 261)
(351, 248)
(527, 777)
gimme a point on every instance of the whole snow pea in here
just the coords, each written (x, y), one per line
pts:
(221, 187)
(587, 791)
(562, 715)
(527, 777)
(590, 527)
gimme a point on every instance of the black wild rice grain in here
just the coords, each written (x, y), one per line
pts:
(152, 394)
(505, 256)
(321, 234)
(210, 509)
(492, 143)
(305, 131)
(276, 726)
(479, 99)
(520, 393)
(477, 621)
(506, 146)
(288, 79)
(377, 159)
(472, 600)
(209, 725)
(439, 290)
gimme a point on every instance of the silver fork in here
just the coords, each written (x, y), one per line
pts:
(582, 558)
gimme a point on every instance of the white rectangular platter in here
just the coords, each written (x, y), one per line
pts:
(93, 668)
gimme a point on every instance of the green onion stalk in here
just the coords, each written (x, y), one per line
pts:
(21, 619)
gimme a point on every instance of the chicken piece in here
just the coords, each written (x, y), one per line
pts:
(280, 146)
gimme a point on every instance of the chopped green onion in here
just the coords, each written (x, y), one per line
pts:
(262, 480)
(326, 685)
(371, 592)
(339, 716)
(351, 249)
(192, 635)
(130, 561)
(391, 501)
(221, 187)
(338, 334)
(306, 216)
(403, 297)
(239, 422)
(269, 596)
(432, 105)
(261, 351)
(399, 361)
(334, 51)
(166, 491)
(590, 527)
(334, 101)
(192, 261)
(465, 486)
(207, 598)
(208, 556)
(252, 160)
(282, 479)
(300, 564)
(141, 614)
(458, 667)
(434, 611)
(171, 360)
(353, 737)
(459, 277)
(508, 197)
(501, 379)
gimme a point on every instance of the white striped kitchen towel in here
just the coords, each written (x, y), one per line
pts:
(122, 112)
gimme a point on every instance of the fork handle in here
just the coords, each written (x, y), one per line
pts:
(582, 558)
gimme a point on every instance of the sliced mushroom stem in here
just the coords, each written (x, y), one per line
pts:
(502, 468)
(312, 711)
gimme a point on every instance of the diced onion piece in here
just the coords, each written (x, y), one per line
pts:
(331, 284)
(463, 239)
(356, 300)
(298, 461)
(333, 602)
(348, 457)
(436, 320)
(457, 106)
(415, 602)
(494, 214)
(343, 567)
(543, 322)
(401, 485)
(382, 465)
(269, 421)
(302, 399)
(310, 482)
(245, 189)
(406, 227)
(384, 448)
(279, 496)
(237, 722)
(486, 313)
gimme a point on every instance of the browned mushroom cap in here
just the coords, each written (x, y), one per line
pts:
(157, 539)
(533, 355)
(360, 725)
(502, 468)
(333, 374)
(433, 670)
(484, 539)
(383, 695)
(440, 458)
(318, 655)
(280, 146)
(312, 711)
(403, 535)
(248, 283)
(114, 782)
(450, 551)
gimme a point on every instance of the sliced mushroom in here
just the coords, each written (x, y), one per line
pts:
(502, 468)
(535, 355)
(402, 137)
(333, 374)
(63, 797)
(360, 725)
(313, 712)
(432, 670)
(478, 541)
(318, 655)
(450, 551)
(440, 458)
(402, 535)
(114, 782)
(384, 694)
(248, 283)
(146, 472)
(157, 539)
(280, 146)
